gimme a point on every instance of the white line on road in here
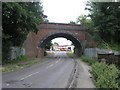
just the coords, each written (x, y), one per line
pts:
(49, 66)
(57, 61)
(28, 76)
(7, 84)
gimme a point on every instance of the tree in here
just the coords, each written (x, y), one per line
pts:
(106, 18)
(55, 43)
(18, 19)
(72, 22)
(87, 22)
(82, 19)
(48, 45)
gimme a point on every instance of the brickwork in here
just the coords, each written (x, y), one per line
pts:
(33, 41)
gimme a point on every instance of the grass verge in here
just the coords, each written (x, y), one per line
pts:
(88, 60)
(105, 76)
(70, 54)
(20, 63)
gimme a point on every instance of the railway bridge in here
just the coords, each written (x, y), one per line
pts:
(35, 43)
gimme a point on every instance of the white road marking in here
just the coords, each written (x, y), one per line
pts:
(29, 76)
(49, 66)
(57, 61)
(7, 84)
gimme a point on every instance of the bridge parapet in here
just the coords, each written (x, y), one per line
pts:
(61, 26)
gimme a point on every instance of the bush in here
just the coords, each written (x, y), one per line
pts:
(105, 75)
(89, 60)
(23, 57)
(6, 50)
(19, 59)
(98, 69)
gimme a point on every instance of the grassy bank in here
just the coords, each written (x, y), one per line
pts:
(20, 63)
(105, 76)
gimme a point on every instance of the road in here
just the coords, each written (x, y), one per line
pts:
(52, 73)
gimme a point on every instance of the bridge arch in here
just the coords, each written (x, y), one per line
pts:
(69, 36)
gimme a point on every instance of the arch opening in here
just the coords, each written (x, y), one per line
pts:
(74, 40)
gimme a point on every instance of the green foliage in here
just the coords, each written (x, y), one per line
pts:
(96, 72)
(19, 59)
(102, 44)
(89, 60)
(72, 22)
(87, 22)
(18, 19)
(6, 50)
(106, 18)
(19, 63)
(90, 28)
(115, 46)
(56, 43)
(48, 45)
(70, 54)
(105, 75)
(102, 23)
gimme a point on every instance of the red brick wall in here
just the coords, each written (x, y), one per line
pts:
(32, 42)
(30, 45)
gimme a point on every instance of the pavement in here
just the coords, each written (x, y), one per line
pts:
(52, 73)
(85, 79)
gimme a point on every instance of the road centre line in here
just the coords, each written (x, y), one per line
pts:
(56, 61)
(37, 72)
(59, 59)
(49, 66)
(7, 84)
(28, 76)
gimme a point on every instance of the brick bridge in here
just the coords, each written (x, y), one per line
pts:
(35, 43)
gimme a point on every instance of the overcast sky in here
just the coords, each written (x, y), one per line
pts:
(63, 11)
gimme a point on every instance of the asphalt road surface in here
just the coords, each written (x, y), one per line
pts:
(52, 73)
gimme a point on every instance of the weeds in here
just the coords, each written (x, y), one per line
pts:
(105, 76)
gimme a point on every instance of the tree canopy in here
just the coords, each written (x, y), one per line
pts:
(106, 19)
(103, 23)
(18, 19)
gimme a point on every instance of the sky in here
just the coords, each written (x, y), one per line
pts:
(62, 41)
(63, 11)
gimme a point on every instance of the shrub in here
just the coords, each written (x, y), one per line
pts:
(98, 69)
(105, 75)
(19, 59)
(6, 52)
(89, 60)
(23, 57)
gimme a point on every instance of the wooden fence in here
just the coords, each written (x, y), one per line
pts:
(109, 58)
